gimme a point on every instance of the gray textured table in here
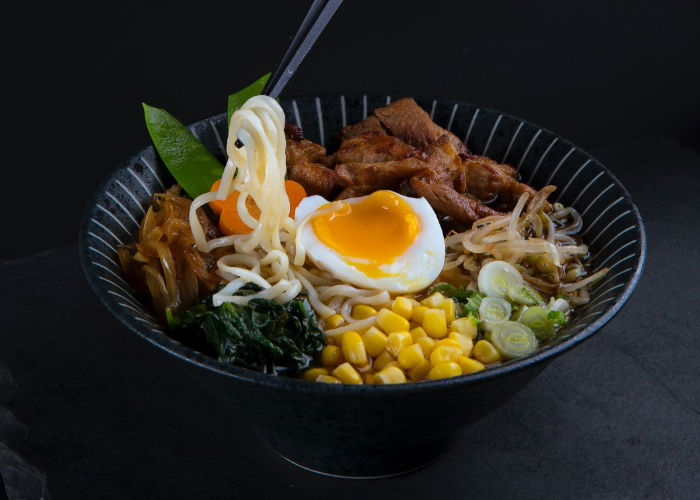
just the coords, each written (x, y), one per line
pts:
(109, 416)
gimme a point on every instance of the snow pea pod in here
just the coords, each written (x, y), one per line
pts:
(192, 165)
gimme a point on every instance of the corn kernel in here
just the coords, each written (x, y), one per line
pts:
(417, 313)
(382, 360)
(397, 341)
(413, 301)
(362, 311)
(465, 326)
(465, 342)
(448, 305)
(327, 379)
(334, 321)
(445, 369)
(434, 323)
(485, 352)
(450, 342)
(368, 378)
(393, 363)
(312, 373)
(420, 371)
(402, 306)
(332, 355)
(410, 356)
(434, 300)
(469, 365)
(347, 374)
(427, 344)
(354, 349)
(417, 333)
(391, 322)
(390, 375)
(374, 340)
(444, 353)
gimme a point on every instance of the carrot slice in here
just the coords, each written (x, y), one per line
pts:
(229, 220)
(295, 193)
(217, 205)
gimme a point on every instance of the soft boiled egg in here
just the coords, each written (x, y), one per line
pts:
(381, 241)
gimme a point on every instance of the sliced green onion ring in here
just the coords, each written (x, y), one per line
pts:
(559, 305)
(494, 310)
(537, 319)
(557, 317)
(496, 277)
(525, 295)
(513, 339)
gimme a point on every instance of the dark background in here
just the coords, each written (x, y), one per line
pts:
(598, 73)
(101, 414)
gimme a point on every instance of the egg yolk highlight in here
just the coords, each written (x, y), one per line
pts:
(371, 232)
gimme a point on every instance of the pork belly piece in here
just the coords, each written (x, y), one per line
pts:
(443, 182)
(315, 178)
(355, 191)
(488, 181)
(409, 122)
(381, 175)
(371, 147)
(370, 124)
(299, 148)
(444, 164)
(444, 199)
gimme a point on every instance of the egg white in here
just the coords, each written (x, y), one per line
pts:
(411, 271)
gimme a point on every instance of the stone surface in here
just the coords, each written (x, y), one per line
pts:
(109, 416)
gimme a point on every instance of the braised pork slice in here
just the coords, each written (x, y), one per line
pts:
(488, 181)
(315, 178)
(443, 182)
(409, 122)
(381, 175)
(354, 192)
(372, 147)
(444, 199)
(370, 124)
(444, 164)
(299, 148)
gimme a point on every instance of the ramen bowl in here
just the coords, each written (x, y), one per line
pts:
(376, 431)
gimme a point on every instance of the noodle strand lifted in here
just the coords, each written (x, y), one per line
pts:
(257, 170)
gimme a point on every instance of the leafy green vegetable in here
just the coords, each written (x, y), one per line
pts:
(264, 335)
(236, 100)
(192, 165)
(470, 300)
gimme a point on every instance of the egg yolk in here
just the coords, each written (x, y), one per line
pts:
(371, 232)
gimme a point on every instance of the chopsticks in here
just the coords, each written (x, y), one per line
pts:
(311, 27)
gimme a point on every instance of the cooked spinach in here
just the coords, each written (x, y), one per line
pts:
(469, 300)
(263, 335)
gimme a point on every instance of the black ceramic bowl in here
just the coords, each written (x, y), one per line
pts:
(370, 431)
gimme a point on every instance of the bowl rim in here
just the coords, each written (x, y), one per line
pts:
(245, 375)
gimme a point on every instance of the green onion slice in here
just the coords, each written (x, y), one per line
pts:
(494, 310)
(557, 317)
(525, 295)
(537, 319)
(513, 339)
(496, 277)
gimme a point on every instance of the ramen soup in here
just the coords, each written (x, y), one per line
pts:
(400, 257)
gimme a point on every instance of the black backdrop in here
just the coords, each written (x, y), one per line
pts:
(596, 72)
